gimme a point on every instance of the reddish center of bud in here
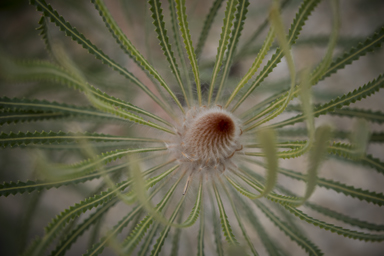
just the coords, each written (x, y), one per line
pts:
(210, 136)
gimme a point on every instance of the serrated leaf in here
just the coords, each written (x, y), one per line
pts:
(139, 231)
(183, 24)
(371, 44)
(160, 241)
(335, 229)
(239, 221)
(24, 139)
(164, 42)
(241, 12)
(72, 32)
(66, 243)
(128, 47)
(302, 241)
(207, 26)
(345, 100)
(302, 15)
(223, 42)
(227, 230)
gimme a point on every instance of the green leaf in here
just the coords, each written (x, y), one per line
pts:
(66, 243)
(58, 223)
(128, 47)
(304, 11)
(200, 237)
(99, 246)
(192, 218)
(257, 185)
(335, 229)
(207, 26)
(371, 44)
(216, 228)
(302, 241)
(227, 230)
(175, 28)
(149, 239)
(9, 116)
(28, 138)
(164, 42)
(320, 70)
(182, 17)
(316, 157)
(345, 218)
(36, 70)
(255, 65)
(72, 32)
(43, 106)
(267, 139)
(369, 115)
(138, 233)
(160, 241)
(368, 196)
(176, 236)
(246, 237)
(253, 219)
(247, 45)
(241, 12)
(223, 42)
(345, 100)
(20, 187)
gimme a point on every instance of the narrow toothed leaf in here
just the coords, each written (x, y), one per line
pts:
(323, 66)
(46, 71)
(366, 195)
(223, 43)
(255, 65)
(258, 186)
(305, 10)
(72, 32)
(180, 51)
(241, 12)
(362, 48)
(183, 24)
(227, 230)
(131, 50)
(149, 239)
(14, 116)
(371, 44)
(302, 241)
(139, 231)
(239, 221)
(216, 228)
(247, 45)
(345, 100)
(66, 243)
(176, 236)
(43, 106)
(20, 187)
(195, 210)
(200, 237)
(28, 138)
(335, 229)
(157, 15)
(207, 26)
(160, 241)
(58, 223)
(254, 220)
(345, 218)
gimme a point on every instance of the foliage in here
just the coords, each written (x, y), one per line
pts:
(97, 106)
